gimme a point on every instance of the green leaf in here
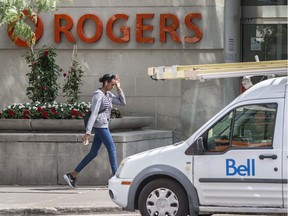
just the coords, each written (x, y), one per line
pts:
(11, 16)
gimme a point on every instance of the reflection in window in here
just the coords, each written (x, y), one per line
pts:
(245, 127)
(263, 2)
(254, 126)
(268, 41)
(219, 135)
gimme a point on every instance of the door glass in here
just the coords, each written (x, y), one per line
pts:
(219, 135)
(268, 41)
(254, 126)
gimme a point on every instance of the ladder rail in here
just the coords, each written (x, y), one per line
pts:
(233, 74)
(274, 63)
(224, 70)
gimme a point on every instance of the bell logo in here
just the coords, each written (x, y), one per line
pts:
(247, 169)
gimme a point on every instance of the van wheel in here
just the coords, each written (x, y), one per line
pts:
(163, 197)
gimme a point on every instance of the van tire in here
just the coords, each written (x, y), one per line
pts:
(166, 192)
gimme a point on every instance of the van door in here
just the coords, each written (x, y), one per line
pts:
(241, 164)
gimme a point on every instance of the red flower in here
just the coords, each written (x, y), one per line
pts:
(46, 53)
(26, 112)
(43, 88)
(53, 109)
(64, 74)
(74, 112)
(39, 109)
(11, 112)
(44, 115)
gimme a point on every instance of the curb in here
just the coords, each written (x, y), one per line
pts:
(63, 211)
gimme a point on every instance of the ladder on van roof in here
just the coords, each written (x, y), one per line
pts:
(224, 70)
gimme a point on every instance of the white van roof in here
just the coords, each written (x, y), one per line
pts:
(271, 88)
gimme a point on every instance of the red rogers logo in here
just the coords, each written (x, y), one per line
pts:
(38, 32)
(63, 25)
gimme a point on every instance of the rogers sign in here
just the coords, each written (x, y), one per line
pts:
(168, 26)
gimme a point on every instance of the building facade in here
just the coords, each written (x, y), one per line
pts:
(127, 37)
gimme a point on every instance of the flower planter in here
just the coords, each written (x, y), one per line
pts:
(130, 122)
(15, 124)
(70, 125)
(57, 125)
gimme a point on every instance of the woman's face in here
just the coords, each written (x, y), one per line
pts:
(110, 85)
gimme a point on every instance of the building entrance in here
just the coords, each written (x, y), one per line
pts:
(264, 30)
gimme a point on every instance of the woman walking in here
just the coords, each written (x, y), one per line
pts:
(102, 101)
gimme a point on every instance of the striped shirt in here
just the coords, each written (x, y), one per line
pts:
(98, 100)
(107, 105)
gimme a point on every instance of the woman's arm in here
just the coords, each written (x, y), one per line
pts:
(96, 103)
(120, 100)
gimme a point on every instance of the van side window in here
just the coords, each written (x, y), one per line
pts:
(248, 126)
(254, 126)
(218, 137)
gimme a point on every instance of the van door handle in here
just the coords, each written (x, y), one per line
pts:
(273, 157)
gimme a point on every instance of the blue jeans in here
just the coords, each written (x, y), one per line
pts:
(102, 135)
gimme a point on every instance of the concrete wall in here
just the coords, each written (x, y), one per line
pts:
(43, 159)
(175, 105)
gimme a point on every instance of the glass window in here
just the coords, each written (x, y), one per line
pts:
(245, 127)
(219, 135)
(263, 2)
(268, 41)
(254, 126)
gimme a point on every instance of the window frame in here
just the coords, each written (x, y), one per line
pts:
(232, 128)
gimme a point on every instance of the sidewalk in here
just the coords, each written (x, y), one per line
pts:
(53, 200)
(60, 200)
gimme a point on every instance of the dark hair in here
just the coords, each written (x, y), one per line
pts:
(107, 77)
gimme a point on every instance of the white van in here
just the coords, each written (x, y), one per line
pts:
(235, 163)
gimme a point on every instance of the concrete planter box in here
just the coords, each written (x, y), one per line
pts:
(65, 125)
(43, 158)
(40, 151)
(15, 124)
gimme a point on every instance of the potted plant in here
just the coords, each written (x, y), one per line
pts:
(43, 77)
(73, 79)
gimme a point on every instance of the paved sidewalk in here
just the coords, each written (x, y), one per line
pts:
(53, 200)
(60, 200)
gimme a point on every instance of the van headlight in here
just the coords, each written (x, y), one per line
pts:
(122, 164)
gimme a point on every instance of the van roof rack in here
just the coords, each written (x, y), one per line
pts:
(223, 70)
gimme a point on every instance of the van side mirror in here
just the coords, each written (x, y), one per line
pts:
(200, 145)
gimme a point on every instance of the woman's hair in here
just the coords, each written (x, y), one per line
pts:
(107, 77)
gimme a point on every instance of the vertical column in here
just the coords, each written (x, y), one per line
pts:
(232, 14)
(232, 43)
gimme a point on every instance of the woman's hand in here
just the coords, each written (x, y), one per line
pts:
(85, 139)
(117, 82)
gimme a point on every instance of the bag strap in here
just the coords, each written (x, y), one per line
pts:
(87, 115)
(101, 111)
